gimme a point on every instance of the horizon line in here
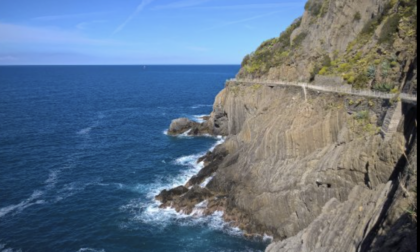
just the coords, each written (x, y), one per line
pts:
(17, 65)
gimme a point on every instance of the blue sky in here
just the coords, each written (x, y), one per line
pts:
(139, 31)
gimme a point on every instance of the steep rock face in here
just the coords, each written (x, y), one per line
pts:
(294, 157)
(370, 43)
(311, 168)
(370, 220)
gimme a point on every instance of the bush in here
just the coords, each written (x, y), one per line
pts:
(384, 87)
(389, 29)
(363, 115)
(326, 61)
(299, 39)
(361, 81)
(323, 71)
(246, 60)
(345, 67)
(314, 72)
(324, 9)
(357, 16)
(386, 67)
(371, 72)
(314, 9)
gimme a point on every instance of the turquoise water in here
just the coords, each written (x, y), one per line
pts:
(83, 153)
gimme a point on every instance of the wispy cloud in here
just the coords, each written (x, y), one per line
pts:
(139, 8)
(181, 4)
(18, 34)
(68, 16)
(243, 20)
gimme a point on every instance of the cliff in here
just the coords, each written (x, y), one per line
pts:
(313, 169)
(369, 43)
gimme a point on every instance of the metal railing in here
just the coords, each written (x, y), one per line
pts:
(338, 89)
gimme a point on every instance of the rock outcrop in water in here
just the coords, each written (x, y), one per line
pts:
(313, 169)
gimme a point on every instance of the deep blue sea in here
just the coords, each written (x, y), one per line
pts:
(83, 153)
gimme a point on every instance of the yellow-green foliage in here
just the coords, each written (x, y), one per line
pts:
(344, 67)
(390, 29)
(235, 89)
(323, 71)
(299, 39)
(272, 52)
(324, 8)
(362, 125)
(256, 87)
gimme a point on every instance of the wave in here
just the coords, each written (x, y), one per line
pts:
(95, 124)
(150, 213)
(91, 250)
(4, 248)
(201, 106)
(198, 118)
(43, 196)
(32, 200)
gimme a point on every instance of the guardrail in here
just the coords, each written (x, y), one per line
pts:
(343, 90)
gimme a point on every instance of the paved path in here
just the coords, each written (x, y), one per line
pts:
(341, 90)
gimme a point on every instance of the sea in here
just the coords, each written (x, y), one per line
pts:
(84, 151)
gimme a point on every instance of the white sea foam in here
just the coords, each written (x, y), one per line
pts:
(206, 181)
(32, 200)
(3, 248)
(91, 250)
(74, 188)
(199, 118)
(201, 106)
(95, 124)
(268, 238)
(150, 213)
(85, 131)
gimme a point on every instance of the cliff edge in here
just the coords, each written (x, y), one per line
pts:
(316, 170)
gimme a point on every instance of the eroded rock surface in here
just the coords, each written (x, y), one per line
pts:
(287, 161)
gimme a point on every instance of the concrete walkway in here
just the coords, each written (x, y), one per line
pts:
(338, 89)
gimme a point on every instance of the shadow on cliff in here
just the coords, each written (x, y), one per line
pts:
(401, 235)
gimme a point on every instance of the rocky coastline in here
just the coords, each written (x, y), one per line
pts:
(317, 171)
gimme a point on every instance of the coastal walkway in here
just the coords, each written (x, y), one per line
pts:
(393, 116)
(331, 89)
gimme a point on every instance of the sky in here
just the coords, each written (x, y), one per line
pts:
(140, 32)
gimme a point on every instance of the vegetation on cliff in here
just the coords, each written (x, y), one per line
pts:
(380, 51)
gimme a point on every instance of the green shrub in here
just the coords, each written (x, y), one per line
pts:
(394, 64)
(361, 81)
(395, 90)
(246, 60)
(389, 29)
(362, 115)
(370, 27)
(326, 61)
(299, 39)
(323, 71)
(386, 67)
(313, 8)
(314, 72)
(384, 87)
(345, 67)
(324, 9)
(371, 72)
(357, 16)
